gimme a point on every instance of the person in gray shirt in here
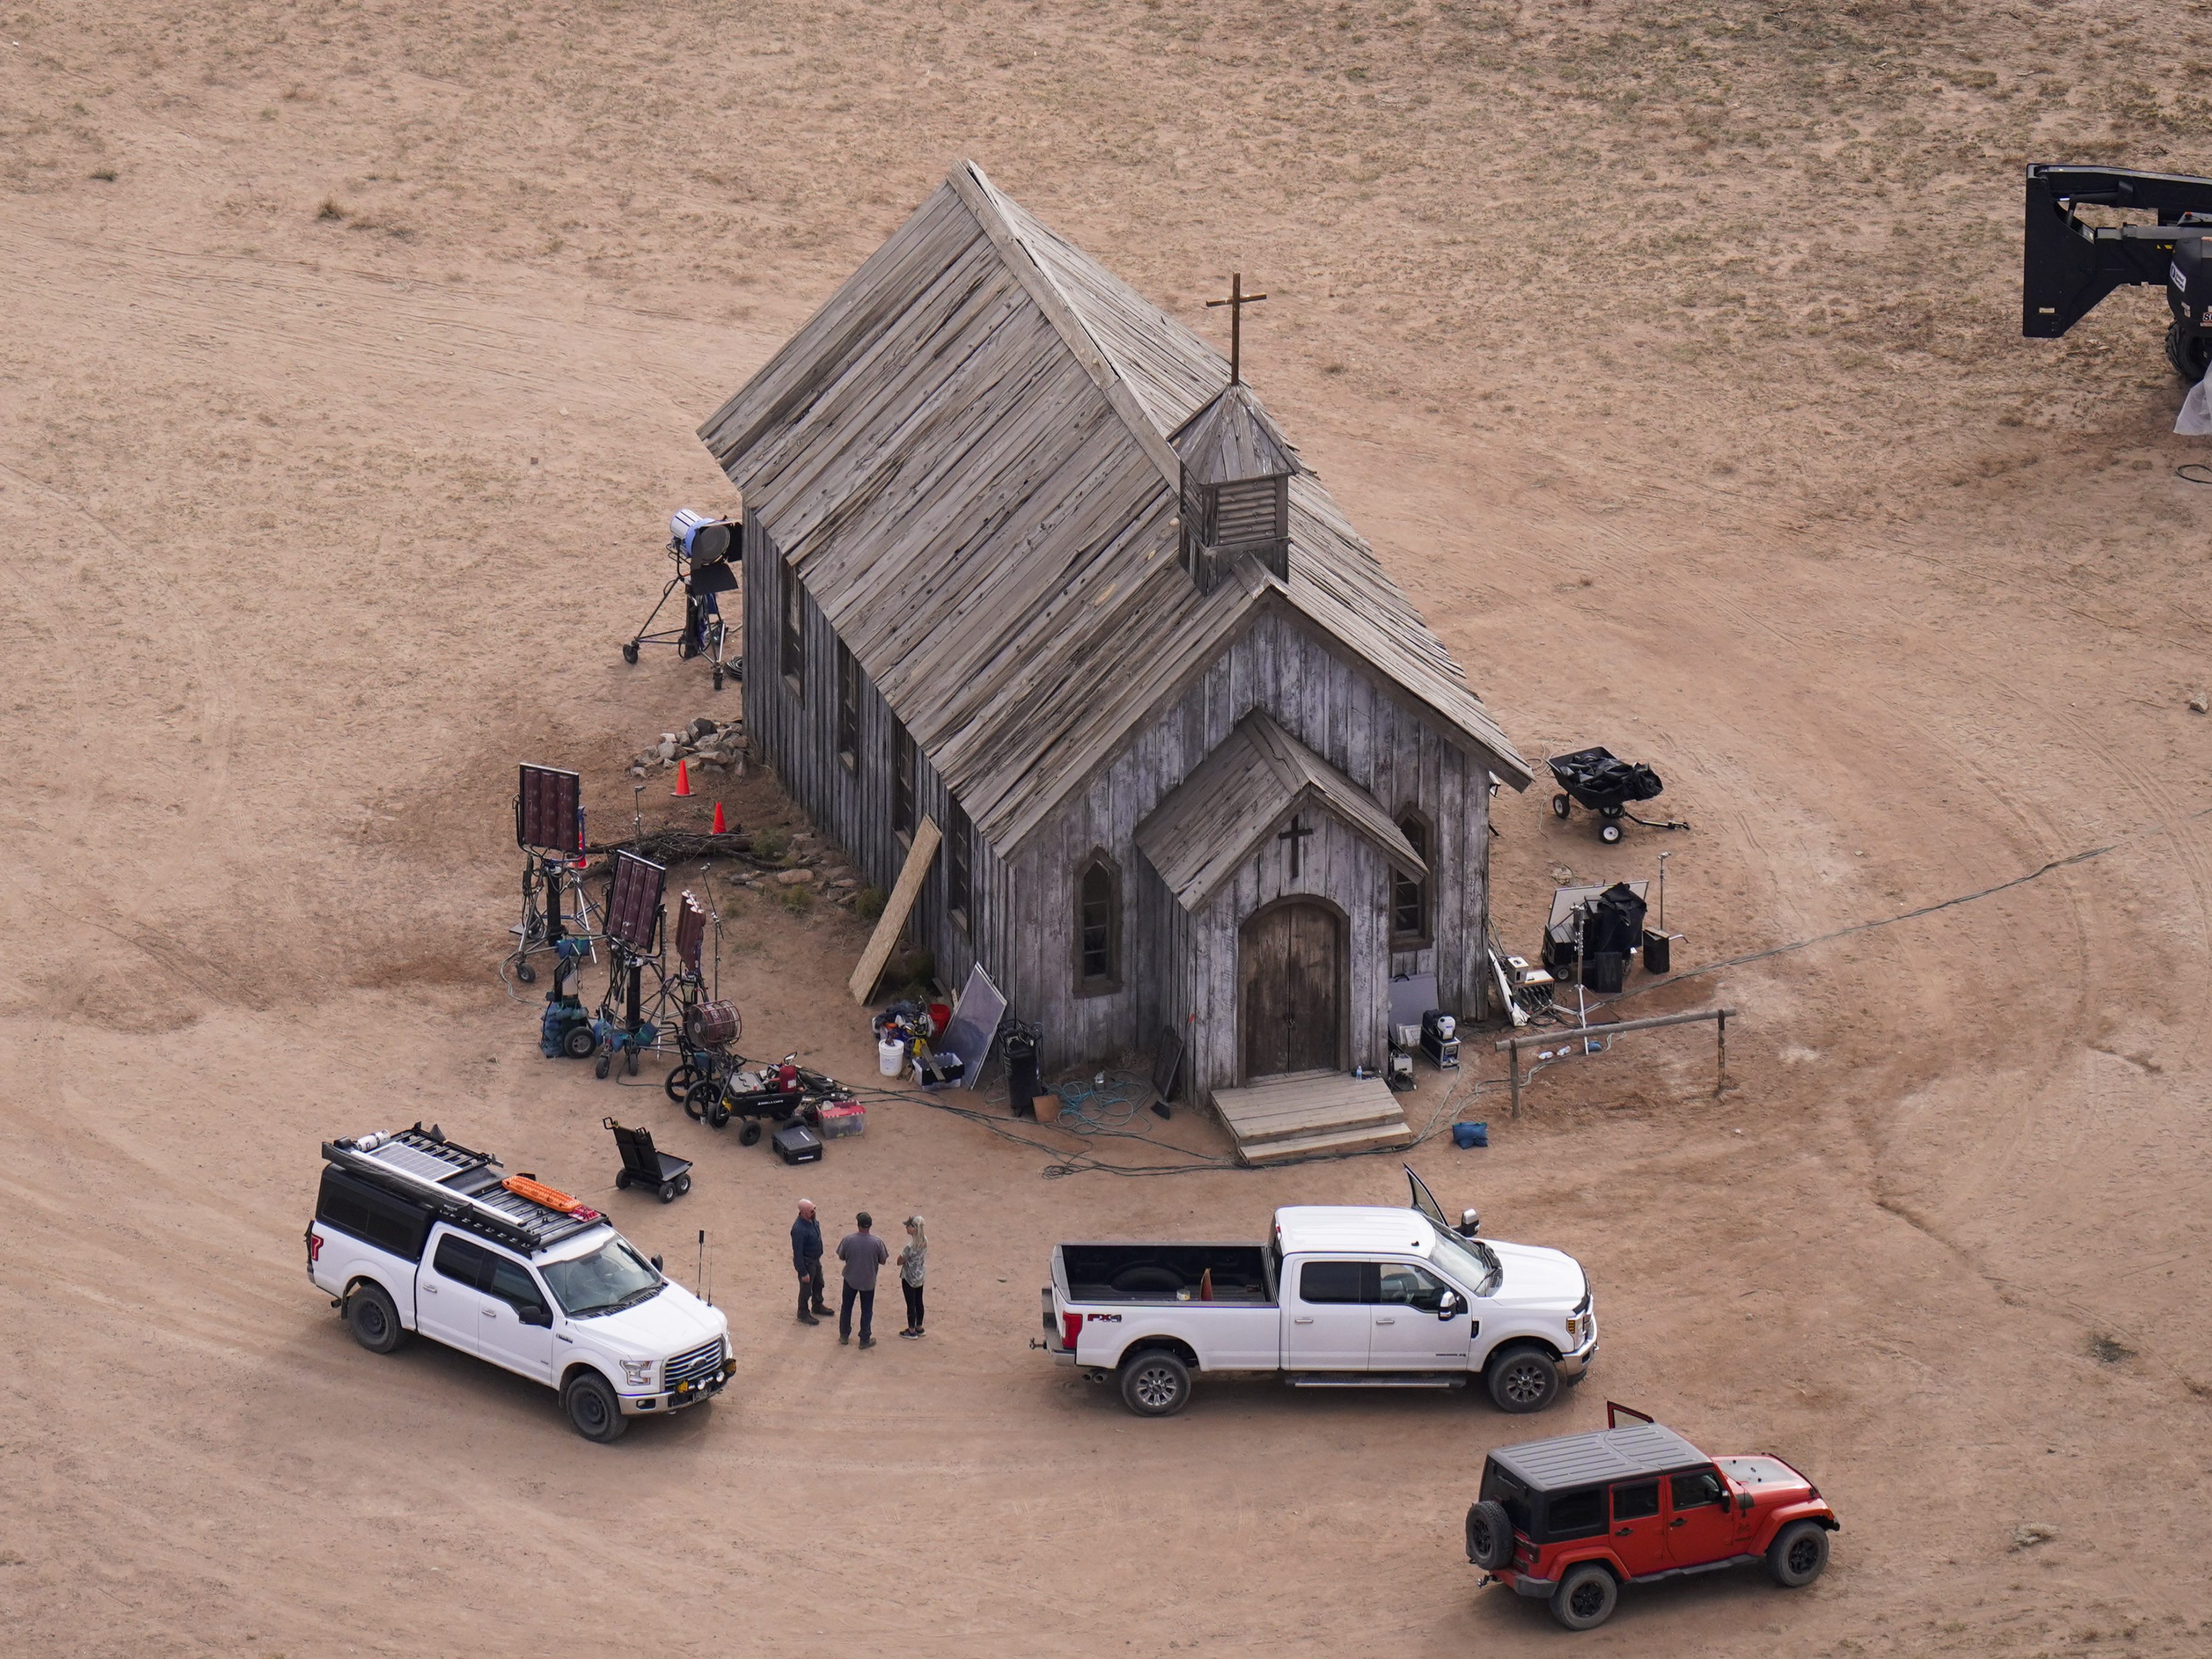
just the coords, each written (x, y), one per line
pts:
(863, 1254)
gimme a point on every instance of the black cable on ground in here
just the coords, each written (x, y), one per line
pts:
(2187, 468)
(2036, 874)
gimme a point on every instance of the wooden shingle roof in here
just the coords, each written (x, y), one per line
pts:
(1232, 437)
(1254, 778)
(964, 456)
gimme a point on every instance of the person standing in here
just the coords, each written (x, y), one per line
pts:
(806, 1261)
(913, 1260)
(862, 1253)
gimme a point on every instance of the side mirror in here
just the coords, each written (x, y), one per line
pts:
(1743, 1500)
(1448, 1308)
(534, 1315)
(656, 1264)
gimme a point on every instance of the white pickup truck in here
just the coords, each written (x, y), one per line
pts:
(1338, 1296)
(414, 1233)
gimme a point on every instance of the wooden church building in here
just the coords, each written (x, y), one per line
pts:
(1023, 560)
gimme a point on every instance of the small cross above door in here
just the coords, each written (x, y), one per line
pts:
(1295, 835)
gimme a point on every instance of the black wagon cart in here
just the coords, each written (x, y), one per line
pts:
(1599, 781)
(645, 1165)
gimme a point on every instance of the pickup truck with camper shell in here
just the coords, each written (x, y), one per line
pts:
(1569, 1521)
(1337, 1296)
(415, 1234)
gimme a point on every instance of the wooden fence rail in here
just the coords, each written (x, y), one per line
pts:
(1561, 1036)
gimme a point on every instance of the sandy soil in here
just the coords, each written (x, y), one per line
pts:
(351, 359)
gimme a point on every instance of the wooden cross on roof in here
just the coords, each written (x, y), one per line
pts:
(1237, 300)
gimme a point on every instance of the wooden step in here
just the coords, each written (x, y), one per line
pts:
(1361, 1140)
(1315, 1119)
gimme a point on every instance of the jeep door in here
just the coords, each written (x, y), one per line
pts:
(504, 1338)
(1639, 1535)
(1328, 1314)
(448, 1305)
(1409, 1331)
(1700, 1519)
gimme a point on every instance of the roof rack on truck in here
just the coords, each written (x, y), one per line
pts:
(466, 1188)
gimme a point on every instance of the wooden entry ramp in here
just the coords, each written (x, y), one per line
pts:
(1313, 1112)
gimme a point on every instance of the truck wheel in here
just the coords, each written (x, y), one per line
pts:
(1155, 1383)
(1489, 1534)
(2190, 354)
(592, 1408)
(1797, 1555)
(1585, 1597)
(1523, 1379)
(372, 1320)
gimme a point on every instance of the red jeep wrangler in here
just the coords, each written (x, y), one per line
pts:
(1575, 1518)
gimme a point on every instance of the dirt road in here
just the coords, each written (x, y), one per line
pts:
(1670, 357)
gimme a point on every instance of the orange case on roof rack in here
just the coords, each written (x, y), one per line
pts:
(539, 1192)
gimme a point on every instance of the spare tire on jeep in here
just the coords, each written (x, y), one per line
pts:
(1489, 1534)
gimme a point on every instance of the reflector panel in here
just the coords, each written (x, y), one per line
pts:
(634, 907)
(549, 811)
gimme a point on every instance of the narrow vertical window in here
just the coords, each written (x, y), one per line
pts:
(848, 707)
(794, 632)
(1410, 928)
(1097, 927)
(959, 861)
(902, 766)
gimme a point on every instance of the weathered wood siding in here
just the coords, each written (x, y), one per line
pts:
(1173, 964)
(794, 730)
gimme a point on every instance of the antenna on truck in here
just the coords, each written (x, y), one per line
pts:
(705, 1290)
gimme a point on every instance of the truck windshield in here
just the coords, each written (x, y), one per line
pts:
(1468, 1262)
(612, 1277)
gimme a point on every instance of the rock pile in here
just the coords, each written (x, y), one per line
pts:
(797, 867)
(711, 746)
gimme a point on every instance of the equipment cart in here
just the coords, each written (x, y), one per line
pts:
(644, 1165)
(1600, 782)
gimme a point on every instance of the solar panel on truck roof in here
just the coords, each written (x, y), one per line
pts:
(1589, 1460)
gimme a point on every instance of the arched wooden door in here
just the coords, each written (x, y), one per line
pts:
(1291, 959)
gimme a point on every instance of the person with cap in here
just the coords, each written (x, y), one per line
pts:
(806, 1261)
(913, 1259)
(862, 1253)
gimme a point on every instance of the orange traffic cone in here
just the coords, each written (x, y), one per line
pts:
(721, 828)
(683, 778)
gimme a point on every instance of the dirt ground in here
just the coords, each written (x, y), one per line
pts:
(351, 358)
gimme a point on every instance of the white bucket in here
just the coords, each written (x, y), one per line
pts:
(890, 1057)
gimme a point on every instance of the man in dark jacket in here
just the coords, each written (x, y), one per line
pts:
(806, 1261)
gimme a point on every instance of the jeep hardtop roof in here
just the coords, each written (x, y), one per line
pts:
(1590, 1459)
(460, 1185)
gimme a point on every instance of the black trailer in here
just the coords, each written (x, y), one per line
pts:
(2069, 265)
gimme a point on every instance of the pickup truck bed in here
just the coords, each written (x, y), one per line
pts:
(1166, 1273)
